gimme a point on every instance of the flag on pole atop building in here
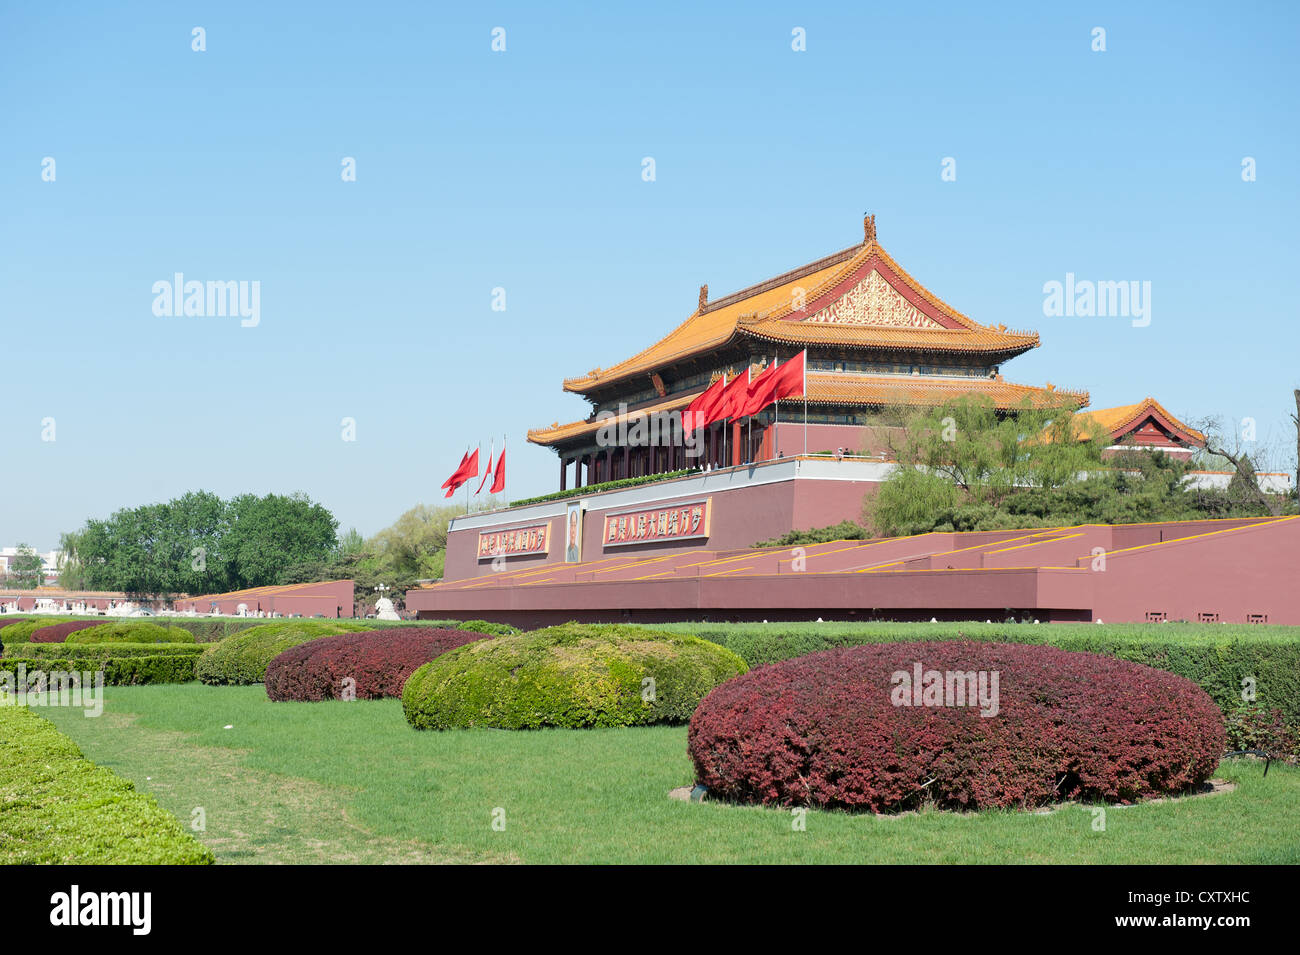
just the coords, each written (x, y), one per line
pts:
(468, 469)
(499, 483)
(700, 412)
(790, 379)
(733, 399)
(487, 472)
(759, 394)
(464, 459)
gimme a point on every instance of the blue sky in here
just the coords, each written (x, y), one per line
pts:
(522, 169)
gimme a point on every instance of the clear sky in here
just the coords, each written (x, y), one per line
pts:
(522, 170)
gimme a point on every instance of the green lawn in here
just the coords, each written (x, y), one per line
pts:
(352, 782)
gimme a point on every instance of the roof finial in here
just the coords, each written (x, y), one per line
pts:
(868, 227)
(704, 297)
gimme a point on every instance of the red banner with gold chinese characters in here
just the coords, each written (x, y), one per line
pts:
(534, 539)
(688, 520)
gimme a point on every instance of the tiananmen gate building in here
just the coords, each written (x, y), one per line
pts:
(871, 341)
(875, 339)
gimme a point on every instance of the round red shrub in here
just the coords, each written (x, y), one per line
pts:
(378, 660)
(58, 632)
(844, 729)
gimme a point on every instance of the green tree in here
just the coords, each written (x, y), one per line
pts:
(198, 543)
(26, 568)
(268, 534)
(351, 543)
(959, 462)
(71, 574)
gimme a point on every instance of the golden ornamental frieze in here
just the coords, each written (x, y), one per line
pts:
(873, 301)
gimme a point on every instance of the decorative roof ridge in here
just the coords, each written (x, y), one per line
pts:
(705, 306)
(874, 247)
(835, 258)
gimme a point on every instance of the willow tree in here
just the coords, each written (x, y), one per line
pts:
(967, 452)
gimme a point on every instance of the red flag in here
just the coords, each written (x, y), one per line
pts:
(757, 395)
(464, 460)
(499, 484)
(699, 413)
(733, 399)
(486, 474)
(791, 378)
(469, 469)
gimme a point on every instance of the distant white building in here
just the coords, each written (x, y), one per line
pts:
(50, 561)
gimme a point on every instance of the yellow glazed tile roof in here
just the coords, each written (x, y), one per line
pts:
(767, 312)
(1118, 420)
(703, 330)
(561, 432)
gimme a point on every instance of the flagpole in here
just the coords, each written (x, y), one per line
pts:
(805, 402)
(776, 425)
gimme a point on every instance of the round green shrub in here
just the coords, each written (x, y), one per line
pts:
(572, 676)
(243, 658)
(131, 631)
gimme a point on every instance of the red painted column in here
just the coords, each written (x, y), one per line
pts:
(564, 474)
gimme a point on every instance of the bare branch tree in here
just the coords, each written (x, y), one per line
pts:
(1226, 443)
(1295, 419)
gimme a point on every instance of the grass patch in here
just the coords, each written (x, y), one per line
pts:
(350, 781)
(57, 807)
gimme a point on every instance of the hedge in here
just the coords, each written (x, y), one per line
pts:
(860, 728)
(378, 663)
(575, 675)
(59, 808)
(243, 658)
(131, 631)
(104, 651)
(1217, 657)
(606, 486)
(118, 671)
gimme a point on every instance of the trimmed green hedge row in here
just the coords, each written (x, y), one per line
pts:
(604, 486)
(242, 659)
(1217, 657)
(60, 808)
(101, 651)
(575, 675)
(118, 671)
